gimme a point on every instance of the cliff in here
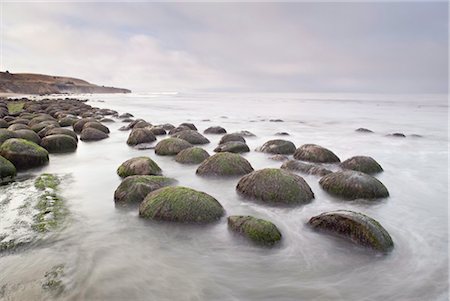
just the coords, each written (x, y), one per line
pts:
(28, 83)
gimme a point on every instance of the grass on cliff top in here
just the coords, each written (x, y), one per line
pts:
(15, 107)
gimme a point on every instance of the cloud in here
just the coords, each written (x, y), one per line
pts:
(282, 47)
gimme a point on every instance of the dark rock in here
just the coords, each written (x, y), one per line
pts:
(171, 146)
(61, 131)
(192, 155)
(363, 130)
(282, 134)
(140, 135)
(245, 134)
(28, 135)
(306, 168)
(189, 125)
(398, 135)
(315, 153)
(78, 126)
(134, 189)
(91, 134)
(232, 147)
(138, 166)
(18, 126)
(278, 146)
(224, 164)
(67, 121)
(191, 136)
(5, 135)
(157, 131)
(7, 171)
(215, 130)
(23, 154)
(362, 163)
(258, 230)
(59, 143)
(96, 125)
(231, 137)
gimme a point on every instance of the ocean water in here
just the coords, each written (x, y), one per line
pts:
(111, 254)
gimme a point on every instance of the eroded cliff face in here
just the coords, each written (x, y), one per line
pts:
(27, 83)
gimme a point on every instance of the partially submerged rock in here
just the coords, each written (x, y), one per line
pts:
(353, 185)
(356, 227)
(181, 204)
(231, 137)
(258, 230)
(192, 155)
(315, 153)
(363, 164)
(306, 168)
(191, 136)
(171, 146)
(140, 135)
(96, 125)
(78, 126)
(278, 146)
(232, 147)
(189, 125)
(138, 166)
(279, 158)
(7, 171)
(59, 143)
(134, 189)
(276, 187)
(363, 130)
(23, 154)
(91, 134)
(224, 164)
(61, 131)
(215, 130)
(5, 135)
(28, 135)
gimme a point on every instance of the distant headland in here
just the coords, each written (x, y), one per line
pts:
(40, 84)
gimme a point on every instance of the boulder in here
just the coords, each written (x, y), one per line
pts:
(178, 129)
(355, 227)
(138, 166)
(353, 185)
(189, 125)
(59, 143)
(181, 204)
(18, 126)
(67, 121)
(398, 135)
(171, 146)
(134, 189)
(191, 136)
(38, 127)
(315, 153)
(231, 137)
(306, 168)
(192, 155)
(257, 230)
(78, 126)
(7, 171)
(363, 130)
(96, 125)
(224, 164)
(275, 187)
(3, 124)
(279, 158)
(232, 147)
(140, 135)
(61, 131)
(28, 135)
(157, 131)
(23, 154)
(278, 146)
(215, 130)
(91, 134)
(363, 164)
(245, 134)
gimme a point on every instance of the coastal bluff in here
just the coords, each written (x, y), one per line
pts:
(28, 83)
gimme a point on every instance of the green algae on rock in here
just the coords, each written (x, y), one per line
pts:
(278, 146)
(7, 171)
(353, 185)
(138, 166)
(315, 153)
(354, 226)
(59, 143)
(275, 187)
(53, 280)
(192, 155)
(224, 164)
(232, 147)
(258, 230)
(363, 164)
(140, 135)
(134, 189)
(171, 146)
(23, 154)
(181, 204)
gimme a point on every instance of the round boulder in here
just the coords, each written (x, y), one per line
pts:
(224, 164)
(96, 125)
(356, 227)
(181, 204)
(91, 134)
(192, 155)
(275, 187)
(191, 136)
(140, 135)
(67, 121)
(7, 170)
(59, 143)
(231, 137)
(258, 230)
(278, 146)
(138, 166)
(28, 135)
(18, 126)
(78, 126)
(6, 134)
(353, 185)
(363, 164)
(232, 147)
(171, 146)
(315, 153)
(215, 130)
(189, 125)
(134, 189)
(23, 153)
(306, 168)
(61, 131)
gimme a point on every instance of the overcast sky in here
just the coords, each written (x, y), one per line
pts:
(255, 47)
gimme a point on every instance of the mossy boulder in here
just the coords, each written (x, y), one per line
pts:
(61, 131)
(232, 147)
(315, 153)
(178, 129)
(7, 170)
(140, 135)
(353, 185)
(191, 136)
(138, 166)
(363, 164)
(67, 121)
(189, 125)
(23, 153)
(42, 125)
(258, 230)
(18, 126)
(231, 137)
(59, 143)
(158, 131)
(181, 204)
(171, 146)
(96, 125)
(28, 135)
(5, 135)
(134, 189)
(192, 155)
(215, 130)
(355, 227)
(224, 164)
(275, 187)
(78, 126)
(278, 146)
(91, 134)
(306, 168)
(3, 124)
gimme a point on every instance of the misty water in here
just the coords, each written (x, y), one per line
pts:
(111, 254)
